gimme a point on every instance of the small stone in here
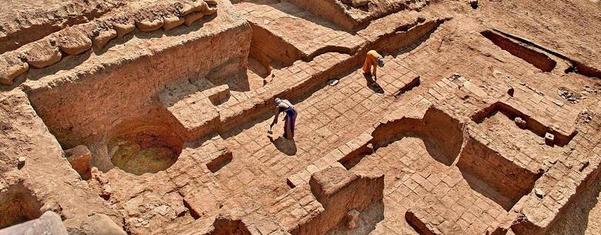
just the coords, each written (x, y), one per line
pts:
(162, 210)
(180, 211)
(106, 193)
(549, 139)
(539, 193)
(48, 223)
(370, 147)
(510, 91)
(185, 9)
(94, 224)
(520, 122)
(199, 6)
(21, 162)
(474, 3)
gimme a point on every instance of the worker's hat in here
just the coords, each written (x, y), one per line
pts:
(277, 100)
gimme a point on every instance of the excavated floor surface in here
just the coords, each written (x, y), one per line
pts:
(482, 120)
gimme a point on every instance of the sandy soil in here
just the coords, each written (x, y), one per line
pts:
(225, 164)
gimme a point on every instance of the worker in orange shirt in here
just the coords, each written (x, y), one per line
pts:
(372, 60)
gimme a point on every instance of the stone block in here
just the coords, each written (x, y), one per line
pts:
(11, 67)
(123, 29)
(220, 160)
(520, 122)
(94, 224)
(49, 223)
(80, 159)
(172, 22)
(73, 41)
(104, 38)
(149, 25)
(549, 139)
(42, 54)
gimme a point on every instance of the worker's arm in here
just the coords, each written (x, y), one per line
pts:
(375, 70)
(275, 118)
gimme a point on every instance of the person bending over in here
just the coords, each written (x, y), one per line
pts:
(372, 60)
(285, 106)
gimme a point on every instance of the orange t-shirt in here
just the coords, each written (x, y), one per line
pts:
(370, 60)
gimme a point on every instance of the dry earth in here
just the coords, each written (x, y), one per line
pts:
(151, 117)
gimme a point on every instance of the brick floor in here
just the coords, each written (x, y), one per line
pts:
(453, 70)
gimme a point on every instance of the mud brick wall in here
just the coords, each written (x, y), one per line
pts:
(271, 49)
(502, 175)
(358, 192)
(102, 98)
(328, 9)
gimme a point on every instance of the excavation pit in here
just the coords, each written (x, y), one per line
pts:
(147, 149)
(17, 205)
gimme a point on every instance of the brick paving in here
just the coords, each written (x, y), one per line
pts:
(298, 27)
(414, 180)
(231, 165)
(262, 173)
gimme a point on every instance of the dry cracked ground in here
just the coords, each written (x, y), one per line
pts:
(152, 117)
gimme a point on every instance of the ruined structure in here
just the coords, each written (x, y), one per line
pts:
(151, 117)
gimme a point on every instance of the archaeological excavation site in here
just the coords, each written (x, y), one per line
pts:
(300, 117)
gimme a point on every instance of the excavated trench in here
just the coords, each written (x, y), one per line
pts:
(537, 59)
(442, 134)
(18, 205)
(483, 169)
(531, 124)
(538, 55)
(136, 133)
(344, 197)
(403, 39)
(352, 18)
